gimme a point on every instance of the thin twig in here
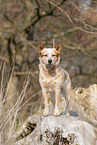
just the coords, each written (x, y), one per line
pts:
(25, 73)
(81, 11)
(5, 59)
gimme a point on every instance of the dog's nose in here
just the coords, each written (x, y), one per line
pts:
(49, 61)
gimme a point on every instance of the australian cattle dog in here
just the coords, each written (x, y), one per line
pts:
(53, 78)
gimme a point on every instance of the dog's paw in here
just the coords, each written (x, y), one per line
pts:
(56, 113)
(46, 112)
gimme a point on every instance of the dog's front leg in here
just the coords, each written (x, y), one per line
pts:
(46, 98)
(57, 98)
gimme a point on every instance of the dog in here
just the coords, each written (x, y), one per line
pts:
(52, 78)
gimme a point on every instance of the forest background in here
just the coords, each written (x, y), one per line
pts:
(24, 23)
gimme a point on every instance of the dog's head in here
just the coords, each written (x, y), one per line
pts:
(49, 56)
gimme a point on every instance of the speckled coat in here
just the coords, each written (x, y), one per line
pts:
(53, 78)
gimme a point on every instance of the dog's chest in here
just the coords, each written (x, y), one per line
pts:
(49, 83)
(52, 82)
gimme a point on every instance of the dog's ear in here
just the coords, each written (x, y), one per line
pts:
(58, 47)
(40, 47)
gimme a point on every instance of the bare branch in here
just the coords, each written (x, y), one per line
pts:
(71, 19)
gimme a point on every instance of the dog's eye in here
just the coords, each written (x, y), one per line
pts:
(45, 55)
(53, 55)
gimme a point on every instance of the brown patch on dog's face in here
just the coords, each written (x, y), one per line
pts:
(41, 54)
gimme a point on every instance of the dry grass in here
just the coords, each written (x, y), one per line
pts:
(11, 103)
